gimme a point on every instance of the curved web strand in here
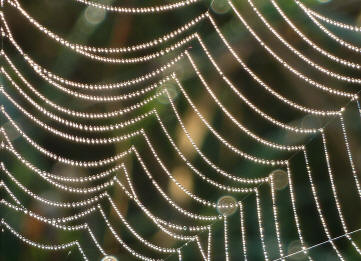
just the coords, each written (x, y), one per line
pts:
(335, 196)
(85, 226)
(69, 228)
(139, 10)
(107, 173)
(91, 210)
(257, 138)
(77, 47)
(141, 132)
(275, 122)
(299, 54)
(109, 178)
(191, 195)
(285, 64)
(43, 246)
(177, 59)
(280, 97)
(107, 50)
(319, 49)
(114, 60)
(133, 191)
(197, 37)
(8, 191)
(79, 139)
(202, 201)
(249, 133)
(121, 125)
(333, 22)
(337, 39)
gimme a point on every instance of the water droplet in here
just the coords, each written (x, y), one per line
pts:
(220, 6)
(280, 179)
(94, 15)
(109, 258)
(172, 91)
(227, 205)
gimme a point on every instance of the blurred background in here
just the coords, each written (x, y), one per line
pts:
(87, 25)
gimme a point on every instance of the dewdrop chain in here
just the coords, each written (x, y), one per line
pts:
(335, 196)
(43, 246)
(327, 32)
(312, 44)
(133, 10)
(299, 54)
(285, 64)
(141, 132)
(275, 216)
(82, 227)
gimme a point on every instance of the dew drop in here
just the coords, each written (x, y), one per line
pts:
(280, 179)
(94, 15)
(226, 205)
(172, 92)
(220, 6)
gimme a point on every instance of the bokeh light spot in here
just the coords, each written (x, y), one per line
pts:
(172, 92)
(226, 205)
(220, 6)
(94, 15)
(280, 179)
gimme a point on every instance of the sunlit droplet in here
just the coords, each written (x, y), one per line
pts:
(171, 90)
(227, 205)
(220, 6)
(279, 178)
(109, 258)
(94, 15)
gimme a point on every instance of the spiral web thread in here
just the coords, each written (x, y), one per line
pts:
(143, 98)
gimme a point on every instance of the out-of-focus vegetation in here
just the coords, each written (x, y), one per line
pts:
(92, 26)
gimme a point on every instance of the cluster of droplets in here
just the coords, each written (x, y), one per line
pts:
(226, 206)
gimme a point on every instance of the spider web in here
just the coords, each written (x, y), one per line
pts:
(128, 149)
